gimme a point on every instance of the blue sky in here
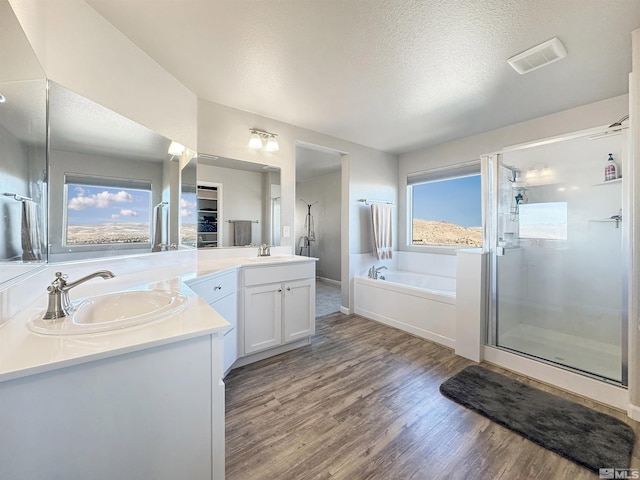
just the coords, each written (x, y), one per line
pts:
(189, 208)
(455, 201)
(88, 205)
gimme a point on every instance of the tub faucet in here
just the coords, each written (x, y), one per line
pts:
(373, 271)
(59, 303)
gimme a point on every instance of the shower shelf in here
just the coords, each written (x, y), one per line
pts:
(608, 182)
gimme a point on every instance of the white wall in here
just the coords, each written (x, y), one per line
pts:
(80, 50)
(326, 191)
(471, 148)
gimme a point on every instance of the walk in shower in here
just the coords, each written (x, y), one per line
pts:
(557, 240)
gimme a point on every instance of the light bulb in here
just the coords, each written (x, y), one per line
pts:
(176, 148)
(272, 144)
(255, 141)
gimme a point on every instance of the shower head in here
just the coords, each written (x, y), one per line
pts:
(619, 122)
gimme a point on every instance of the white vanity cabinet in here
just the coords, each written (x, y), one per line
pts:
(151, 414)
(220, 291)
(278, 306)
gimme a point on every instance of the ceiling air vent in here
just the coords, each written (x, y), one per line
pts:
(538, 56)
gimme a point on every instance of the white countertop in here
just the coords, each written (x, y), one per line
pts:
(206, 267)
(24, 353)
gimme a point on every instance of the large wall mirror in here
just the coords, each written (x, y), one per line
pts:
(23, 152)
(111, 182)
(238, 203)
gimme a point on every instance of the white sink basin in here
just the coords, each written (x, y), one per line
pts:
(270, 258)
(112, 311)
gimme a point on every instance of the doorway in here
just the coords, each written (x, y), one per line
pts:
(318, 220)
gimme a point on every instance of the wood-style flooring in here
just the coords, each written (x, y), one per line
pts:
(362, 402)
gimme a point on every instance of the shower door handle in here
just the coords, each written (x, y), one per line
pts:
(500, 251)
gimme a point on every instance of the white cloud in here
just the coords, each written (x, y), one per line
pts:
(185, 212)
(115, 215)
(99, 200)
(186, 204)
(128, 213)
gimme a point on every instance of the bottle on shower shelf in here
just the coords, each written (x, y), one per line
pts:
(611, 171)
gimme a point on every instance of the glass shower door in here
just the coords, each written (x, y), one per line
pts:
(558, 264)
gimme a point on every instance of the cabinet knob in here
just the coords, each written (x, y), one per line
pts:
(217, 287)
(279, 290)
(288, 289)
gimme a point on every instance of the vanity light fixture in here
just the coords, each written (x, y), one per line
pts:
(272, 144)
(176, 148)
(255, 140)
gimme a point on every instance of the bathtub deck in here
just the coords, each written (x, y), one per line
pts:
(362, 402)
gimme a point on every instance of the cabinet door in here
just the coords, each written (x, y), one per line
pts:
(299, 309)
(262, 317)
(228, 308)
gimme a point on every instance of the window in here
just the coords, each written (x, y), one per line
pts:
(102, 210)
(446, 207)
(188, 217)
(543, 220)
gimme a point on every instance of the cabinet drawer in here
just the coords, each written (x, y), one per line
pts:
(213, 287)
(280, 273)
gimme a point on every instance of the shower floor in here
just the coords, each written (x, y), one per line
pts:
(592, 356)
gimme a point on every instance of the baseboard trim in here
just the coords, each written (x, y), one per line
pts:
(633, 412)
(345, 310)
(256, 357)
(329, 281)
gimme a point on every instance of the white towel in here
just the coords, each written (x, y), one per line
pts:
(381, 224)
(30, 232)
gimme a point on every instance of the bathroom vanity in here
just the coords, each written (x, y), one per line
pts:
(146, 401)
(139, 402)
(269, 302)
(277, 307)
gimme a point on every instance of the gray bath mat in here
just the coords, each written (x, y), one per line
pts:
(589, 438)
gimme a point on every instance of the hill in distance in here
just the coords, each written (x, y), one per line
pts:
(431, 232)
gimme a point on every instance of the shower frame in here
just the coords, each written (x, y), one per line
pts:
(537, 367)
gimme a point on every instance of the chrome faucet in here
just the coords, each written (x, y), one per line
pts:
(373, 271)
(264, 250)
(59, 303)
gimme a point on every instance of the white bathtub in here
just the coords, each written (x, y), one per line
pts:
(424, 305)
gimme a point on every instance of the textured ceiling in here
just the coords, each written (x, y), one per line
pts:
(395, 75)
